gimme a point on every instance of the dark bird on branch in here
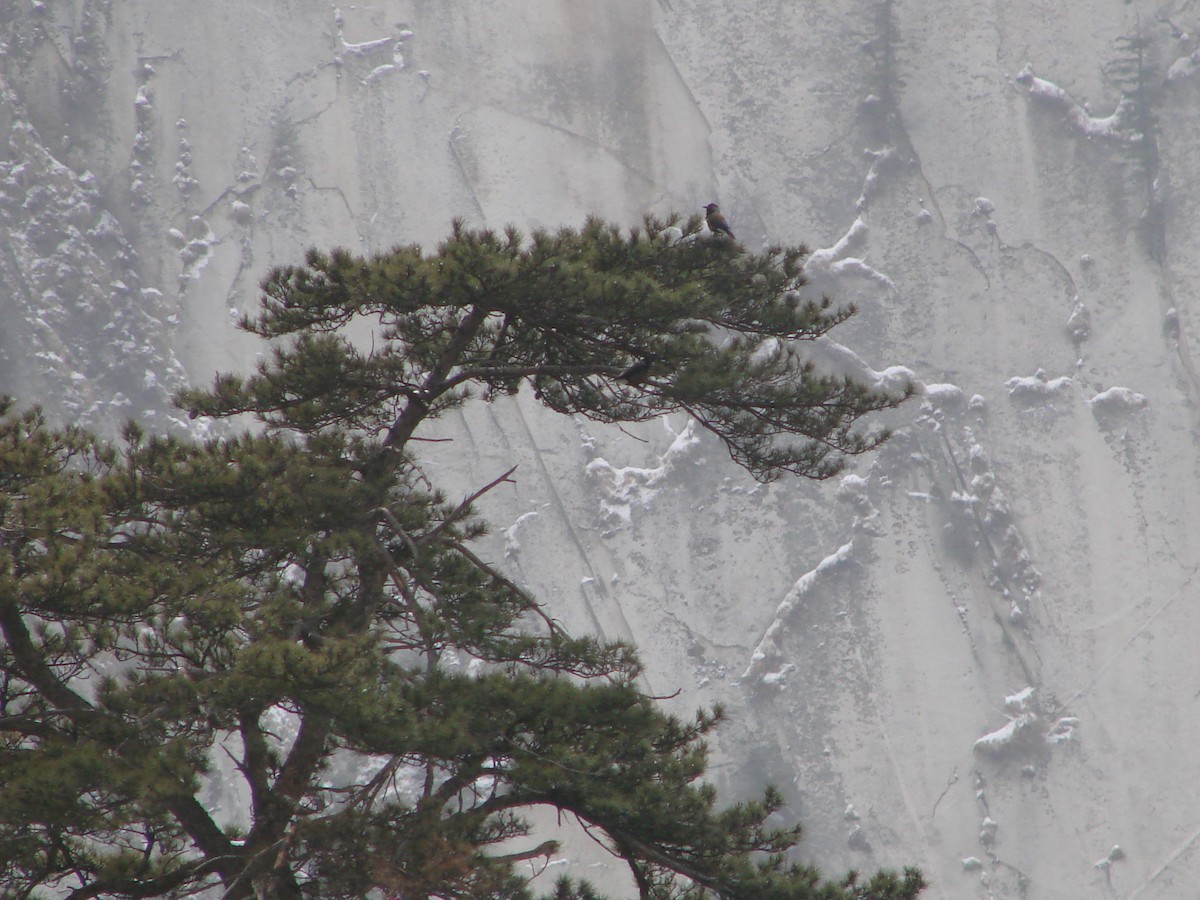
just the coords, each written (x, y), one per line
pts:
(637, 373)
(716, 221)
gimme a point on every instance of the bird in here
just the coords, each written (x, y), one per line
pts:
(637, 373)
(716, 221)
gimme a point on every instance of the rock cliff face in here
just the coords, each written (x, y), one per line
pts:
(976, 651)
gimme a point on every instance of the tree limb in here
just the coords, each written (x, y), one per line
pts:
(31, 663)
(459, 511)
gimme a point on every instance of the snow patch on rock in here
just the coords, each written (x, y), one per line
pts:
(625, 488)
(1184, 67)
(946, 397)
(1113, 127)
(1116, 403)
(1038, 388)
(1023, 732)
(1079, 323)
(512, 544)
(831, 264)
(838, 359)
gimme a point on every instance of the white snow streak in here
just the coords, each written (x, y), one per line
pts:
(1037, 386)
(512, 545)
(634, 486)
(841, 360)
(830, 263)
(768, 647)
(1115, 126)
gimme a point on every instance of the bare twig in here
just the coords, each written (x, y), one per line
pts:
(634, 436)
(459, 511)
(546, 849)
(492, 572)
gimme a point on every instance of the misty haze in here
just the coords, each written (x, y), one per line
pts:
(974, 650)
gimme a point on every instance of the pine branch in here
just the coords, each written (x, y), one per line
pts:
(432, 654)
(544, 849)
(435, 382)
(530, 604)
(490, 372)
(157, 886)
(200, 827)
(460, 512)
(254, 764)
(31, 663)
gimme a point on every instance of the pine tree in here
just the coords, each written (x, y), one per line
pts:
(288, 598)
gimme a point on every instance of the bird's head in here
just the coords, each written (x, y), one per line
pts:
(712, 208)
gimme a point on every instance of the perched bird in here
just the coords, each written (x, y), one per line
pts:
(637, 373)
(716, 221)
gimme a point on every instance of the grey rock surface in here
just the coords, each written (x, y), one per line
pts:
(981, 640)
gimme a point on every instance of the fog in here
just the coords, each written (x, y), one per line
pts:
(975, 651)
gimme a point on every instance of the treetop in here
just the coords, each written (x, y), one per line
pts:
(615, 326)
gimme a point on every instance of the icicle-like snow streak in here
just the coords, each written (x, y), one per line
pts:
(624, 488)
(369, 48)
(879, 159)
(830, 263)
(1116, 854)
(854, 238)
(512, 544)
(365, 46)
(853, 490)
(1115, 127)
(832, 357)
(768, 648)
